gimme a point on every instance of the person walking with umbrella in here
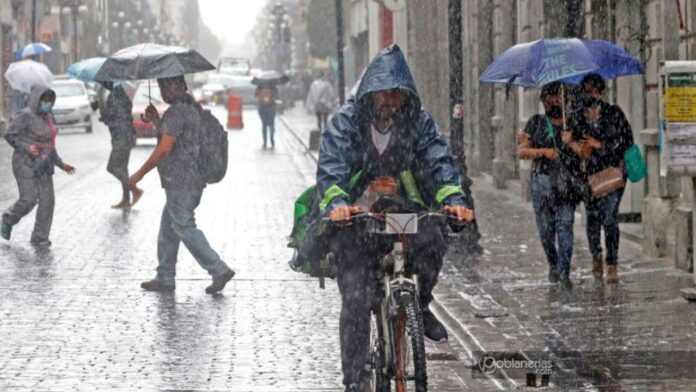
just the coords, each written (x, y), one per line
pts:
(267, 93)
(176, 157)
(183, 184)
(116, 114)
(32, 135)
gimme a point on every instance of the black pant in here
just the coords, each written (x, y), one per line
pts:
(322, 118)
(357, 256)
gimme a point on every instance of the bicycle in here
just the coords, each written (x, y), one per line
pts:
(396, 350)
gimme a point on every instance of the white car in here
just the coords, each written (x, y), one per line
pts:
(73, 105)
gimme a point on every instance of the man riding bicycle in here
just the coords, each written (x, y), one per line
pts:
(381, 141)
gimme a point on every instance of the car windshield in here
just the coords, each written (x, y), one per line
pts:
(68, 89)
(141, 94)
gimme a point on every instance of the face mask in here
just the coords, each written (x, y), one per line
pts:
(46, 107)
(554, 112)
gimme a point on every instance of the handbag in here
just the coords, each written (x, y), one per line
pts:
(606, 181)
(635, 164)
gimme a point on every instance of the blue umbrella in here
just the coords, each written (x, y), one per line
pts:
(86, 69)
(534, 64)
(32, 49)
(613, 61)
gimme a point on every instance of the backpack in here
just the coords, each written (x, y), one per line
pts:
(212, 158)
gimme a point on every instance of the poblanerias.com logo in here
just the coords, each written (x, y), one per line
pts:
(491, 366)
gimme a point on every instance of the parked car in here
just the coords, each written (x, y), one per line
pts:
(241, 86)
(213, 92)
(73, 104)
(145, 94)
(220, 85)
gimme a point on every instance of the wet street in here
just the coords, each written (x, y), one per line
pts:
(73, 317)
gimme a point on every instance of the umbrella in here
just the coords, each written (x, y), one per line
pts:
(33, 49)
(613, 61)
(536, 63)
(270, 78)
(23, 74)
(151, 61)
(86, 69)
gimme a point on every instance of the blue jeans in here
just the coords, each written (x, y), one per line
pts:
(554, 220)
(178, 225)
(604, 212)
(267, 114)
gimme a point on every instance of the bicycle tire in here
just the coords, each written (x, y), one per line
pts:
(378, 379)
(414, 326)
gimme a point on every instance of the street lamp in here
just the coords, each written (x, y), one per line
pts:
(75, 8)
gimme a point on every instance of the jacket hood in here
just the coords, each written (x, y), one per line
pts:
(35, 94)
(389, 70)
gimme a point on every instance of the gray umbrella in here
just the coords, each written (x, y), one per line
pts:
(151, 61)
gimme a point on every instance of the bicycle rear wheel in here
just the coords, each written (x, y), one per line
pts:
(409, 345)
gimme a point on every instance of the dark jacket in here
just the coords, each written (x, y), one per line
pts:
(347, 147)
(30, 126)
(612, 130)
(117, 115)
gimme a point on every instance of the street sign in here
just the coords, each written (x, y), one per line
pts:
(677, 91)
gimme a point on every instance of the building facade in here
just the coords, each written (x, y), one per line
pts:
(652, 30)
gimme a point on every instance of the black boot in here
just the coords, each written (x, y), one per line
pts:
(433, 328)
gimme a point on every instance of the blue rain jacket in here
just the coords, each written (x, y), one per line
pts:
(416, 143)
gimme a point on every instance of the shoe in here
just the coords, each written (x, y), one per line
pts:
(122, 205)
(157, 285)
(475, 249)
(41, 243)
(219, 282)
(612, 274)
(355, 388)
(272, 143)
(137, 194)
(597, 267)
(433, 328)
(553, 274)
(264, 146)
(565, 282)
(6, 231)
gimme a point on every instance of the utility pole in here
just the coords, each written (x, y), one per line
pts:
(455, 78)
(75, 41)
(339, 51)
(33, 20)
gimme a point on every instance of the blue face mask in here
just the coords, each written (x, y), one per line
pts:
(46, 107)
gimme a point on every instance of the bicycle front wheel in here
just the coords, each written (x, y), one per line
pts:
(409, 346)
(377, 357)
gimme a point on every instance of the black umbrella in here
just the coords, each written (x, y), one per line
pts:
(151, 61)
(270, 78)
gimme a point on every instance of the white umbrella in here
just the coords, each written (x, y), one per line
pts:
(32, 49)
(26, 73)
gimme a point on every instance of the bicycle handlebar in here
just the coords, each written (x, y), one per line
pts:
(381, 217)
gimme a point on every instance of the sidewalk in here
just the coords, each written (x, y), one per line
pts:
(607, 337)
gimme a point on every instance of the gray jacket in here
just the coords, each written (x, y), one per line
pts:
(30, 126)
(117, 115)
